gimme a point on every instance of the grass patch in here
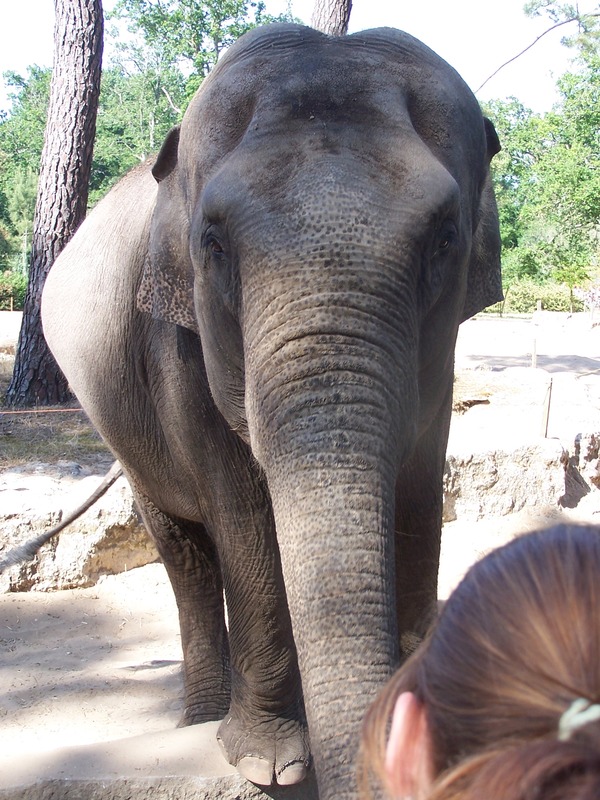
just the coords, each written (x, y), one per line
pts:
(46, 435)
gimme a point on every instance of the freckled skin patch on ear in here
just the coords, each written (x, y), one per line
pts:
(166, 295)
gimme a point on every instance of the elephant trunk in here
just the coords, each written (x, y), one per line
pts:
(334, 531)
(331, 399)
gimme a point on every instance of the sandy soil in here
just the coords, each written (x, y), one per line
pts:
(98, 664)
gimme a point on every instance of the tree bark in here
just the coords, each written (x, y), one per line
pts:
(331, 16)
(63, 187)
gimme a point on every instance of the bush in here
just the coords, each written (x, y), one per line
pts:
(522, 298)
(12, 285)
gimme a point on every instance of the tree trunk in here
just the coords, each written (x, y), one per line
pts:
(63, 186)
(331, 16)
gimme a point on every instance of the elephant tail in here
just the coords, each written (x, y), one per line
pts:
(27, 551)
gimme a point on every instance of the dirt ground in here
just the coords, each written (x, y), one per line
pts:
(93, 665)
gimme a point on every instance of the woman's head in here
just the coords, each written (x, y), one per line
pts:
(516, 644)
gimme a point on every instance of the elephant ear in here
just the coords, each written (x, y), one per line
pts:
(484, 283)
(166, 290)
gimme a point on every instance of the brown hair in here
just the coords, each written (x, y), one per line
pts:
(516, 643)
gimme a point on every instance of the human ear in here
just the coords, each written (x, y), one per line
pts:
(408, 758)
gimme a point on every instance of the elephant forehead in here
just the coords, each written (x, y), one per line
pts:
(298, 91)
(305, 59)
(286, 92)
(336, 86)
(343, 175)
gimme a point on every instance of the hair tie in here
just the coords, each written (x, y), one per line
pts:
(579, 713)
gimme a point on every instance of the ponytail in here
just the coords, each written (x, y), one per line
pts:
(538, 770)
(509, 676)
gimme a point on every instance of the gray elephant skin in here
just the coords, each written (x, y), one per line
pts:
(262, 327)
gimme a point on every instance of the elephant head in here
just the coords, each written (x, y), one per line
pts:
(325, 220)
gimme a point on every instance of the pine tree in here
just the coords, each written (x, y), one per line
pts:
(63, 186)
(331, 16)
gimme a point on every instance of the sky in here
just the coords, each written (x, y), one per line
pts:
(474, 36)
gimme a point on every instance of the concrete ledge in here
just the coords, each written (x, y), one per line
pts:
(180, 764)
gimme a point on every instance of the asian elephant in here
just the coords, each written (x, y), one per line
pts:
(262, 325)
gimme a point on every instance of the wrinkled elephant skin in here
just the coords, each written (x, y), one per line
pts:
(262, 328)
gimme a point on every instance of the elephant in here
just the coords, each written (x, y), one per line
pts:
(261, 324)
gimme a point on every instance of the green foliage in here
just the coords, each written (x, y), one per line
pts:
(21, 196)
(19, 202)
(146, 86)
(172, 46)
(22, 132)
(13, 286)
(21, 142)
(586, 35)
(5, 166)
(511, 168)
(520, 262)
(6, 248)
(547, 177)
(137, 109)
(522, 298)
(192, 33)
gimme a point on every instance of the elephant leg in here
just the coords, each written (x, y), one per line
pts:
(264, 734)
(419, 502)
(192, 564)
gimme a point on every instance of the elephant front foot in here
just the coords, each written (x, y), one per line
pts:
(273, 750)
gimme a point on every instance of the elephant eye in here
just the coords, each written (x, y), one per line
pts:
(212, 244)
(447, 237)
(215, 246)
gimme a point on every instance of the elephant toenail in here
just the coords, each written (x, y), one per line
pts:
(256, 769)
(292, 773)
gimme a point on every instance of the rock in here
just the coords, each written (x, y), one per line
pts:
(496, 483)
(587, 455)
(109, 538)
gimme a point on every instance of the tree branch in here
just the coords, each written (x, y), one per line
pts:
(170, 101)
(529, 46)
